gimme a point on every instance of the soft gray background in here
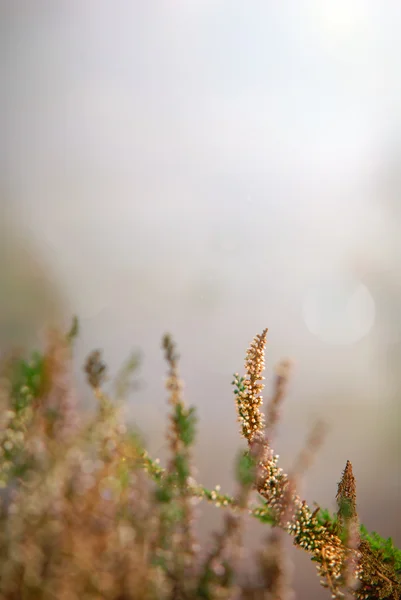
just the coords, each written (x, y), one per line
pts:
(212, 167)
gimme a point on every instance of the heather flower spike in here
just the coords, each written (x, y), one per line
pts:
(344, 565)
(248, 389)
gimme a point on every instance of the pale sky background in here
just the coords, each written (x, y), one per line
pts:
(212, 167)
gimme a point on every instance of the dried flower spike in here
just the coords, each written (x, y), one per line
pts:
(346, 496)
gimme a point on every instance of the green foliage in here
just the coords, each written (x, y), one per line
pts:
(385, 547)
(246, 467)
(264, 513)
(182, 469)
(325, 517)
(185, 421)
(26, 380)
(163, 494)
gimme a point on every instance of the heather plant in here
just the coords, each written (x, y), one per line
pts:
(87, 513)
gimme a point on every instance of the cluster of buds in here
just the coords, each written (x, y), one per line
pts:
(249, 389)
(13, 428)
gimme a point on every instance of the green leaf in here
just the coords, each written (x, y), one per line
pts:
(182, 469)
(185, 420)
(246, 467)
(163, 494)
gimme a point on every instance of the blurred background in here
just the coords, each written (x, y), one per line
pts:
(211, 168)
